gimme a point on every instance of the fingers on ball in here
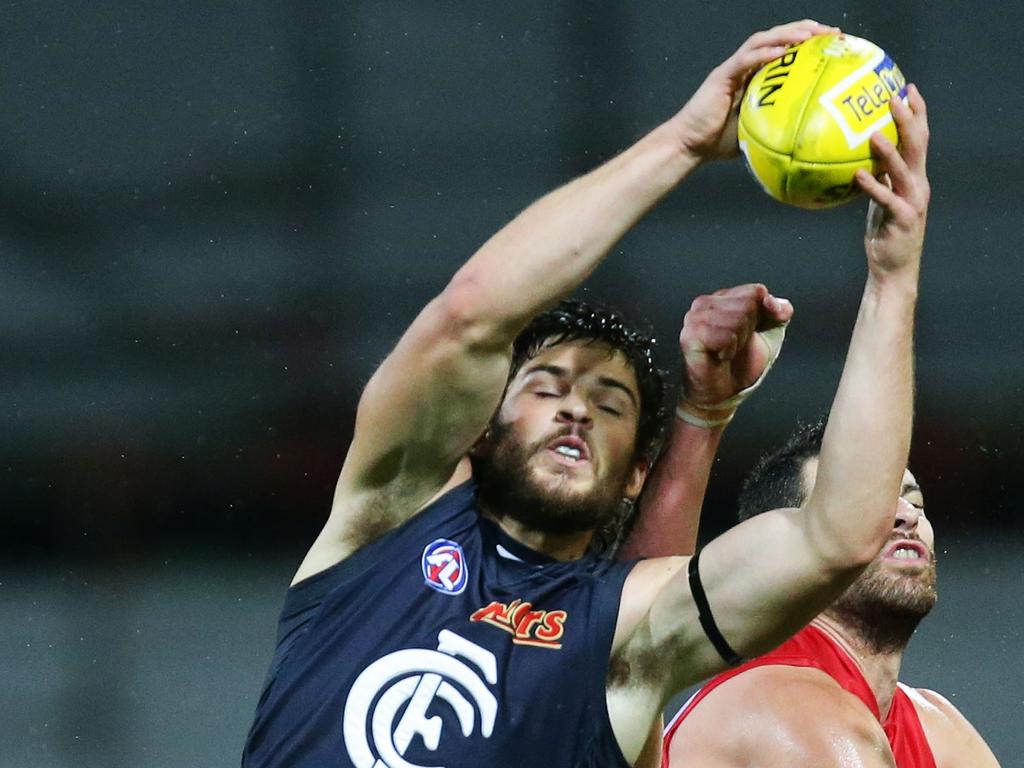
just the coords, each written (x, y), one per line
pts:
(884, 150)
(911, 110)
(912, 123)
(801, 29)
(875, 189)
(916, 101)
(892, 159)
(762, 47)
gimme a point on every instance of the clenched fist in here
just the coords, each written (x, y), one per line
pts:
(727, 346)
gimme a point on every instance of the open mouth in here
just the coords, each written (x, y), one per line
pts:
(907, 551)
(569, 450)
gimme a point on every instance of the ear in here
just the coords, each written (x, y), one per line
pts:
(637, 477)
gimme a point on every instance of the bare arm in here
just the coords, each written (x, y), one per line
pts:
(769, 576)
(433, 395)
(723, 354)
(668, 516)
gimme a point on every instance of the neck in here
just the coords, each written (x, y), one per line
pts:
(567, 546)
(880, 667)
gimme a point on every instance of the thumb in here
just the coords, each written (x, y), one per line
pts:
(777, 310)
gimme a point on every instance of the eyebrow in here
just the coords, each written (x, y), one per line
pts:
(910, 488)
(607, 381)
(604, 381)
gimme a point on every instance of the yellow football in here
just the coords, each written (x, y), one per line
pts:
(806, 118)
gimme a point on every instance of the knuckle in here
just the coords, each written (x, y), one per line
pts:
(700, 303)
(728, 323)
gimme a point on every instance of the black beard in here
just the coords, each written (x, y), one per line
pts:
(505, 487)
(883, 609)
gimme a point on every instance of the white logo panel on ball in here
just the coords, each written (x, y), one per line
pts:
(855, 135)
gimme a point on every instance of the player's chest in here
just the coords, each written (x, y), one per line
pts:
(473, 676)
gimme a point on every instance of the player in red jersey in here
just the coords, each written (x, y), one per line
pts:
(830, 695)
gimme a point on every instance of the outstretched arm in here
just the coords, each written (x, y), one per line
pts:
(433, 395)
(725, 351)
(769, 576)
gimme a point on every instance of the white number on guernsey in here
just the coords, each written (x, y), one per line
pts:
(417, 676)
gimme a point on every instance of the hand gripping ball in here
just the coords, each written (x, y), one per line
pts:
(806, 118)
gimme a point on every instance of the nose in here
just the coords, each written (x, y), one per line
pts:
(907, 516)
(573, 410)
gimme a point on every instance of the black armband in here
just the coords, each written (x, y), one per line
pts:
(707, 621)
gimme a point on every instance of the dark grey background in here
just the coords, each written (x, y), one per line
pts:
(216, 218)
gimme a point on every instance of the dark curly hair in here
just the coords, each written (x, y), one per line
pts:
(776, 481)
(575, 320)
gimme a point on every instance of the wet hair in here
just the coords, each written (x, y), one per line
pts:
(575, 320)
(776, 480)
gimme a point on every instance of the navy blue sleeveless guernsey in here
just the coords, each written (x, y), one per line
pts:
(444, 644)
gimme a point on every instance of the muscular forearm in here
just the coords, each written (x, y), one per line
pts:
(668, 514)
(552, 246)
(723, 356)
(864, 450)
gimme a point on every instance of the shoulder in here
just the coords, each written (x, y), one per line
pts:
(788, 692)
(935, 710)
(931, 704)
(333, 547)
(778, 715)
(645, 580)
(952, 738)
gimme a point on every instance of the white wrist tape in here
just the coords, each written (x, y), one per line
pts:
(697, 421)
(773, 337)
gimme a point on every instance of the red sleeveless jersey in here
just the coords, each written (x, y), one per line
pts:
(813, 648)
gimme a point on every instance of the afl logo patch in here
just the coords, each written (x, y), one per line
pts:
(444, 566)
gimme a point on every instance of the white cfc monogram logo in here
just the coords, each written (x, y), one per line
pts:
(417, 676)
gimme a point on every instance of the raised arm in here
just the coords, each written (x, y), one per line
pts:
(433, 395)
(728, 341)
(769, 576)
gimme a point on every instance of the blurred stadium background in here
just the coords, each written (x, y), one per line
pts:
(216, 217)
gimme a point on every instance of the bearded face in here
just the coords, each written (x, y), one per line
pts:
(560, 454)
(509, 487)
(886, 603)
(912, 593)
(889, 599)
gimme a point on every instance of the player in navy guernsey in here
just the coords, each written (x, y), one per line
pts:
(449, 613)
